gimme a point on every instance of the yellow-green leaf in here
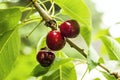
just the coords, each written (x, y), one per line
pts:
(112, 47)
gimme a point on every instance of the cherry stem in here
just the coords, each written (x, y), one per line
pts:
(48, 19)
(33, 29)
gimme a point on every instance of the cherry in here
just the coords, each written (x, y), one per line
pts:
(45, 58)
(70, 28)
(55, 41)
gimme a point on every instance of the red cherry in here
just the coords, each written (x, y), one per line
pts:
(70, 28)
(45, 58)
(55, 41)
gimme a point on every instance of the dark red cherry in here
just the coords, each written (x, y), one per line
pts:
(70, 28)
(55, 41)
(45, 58)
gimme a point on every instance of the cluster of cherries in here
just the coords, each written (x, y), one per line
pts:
(55, 41)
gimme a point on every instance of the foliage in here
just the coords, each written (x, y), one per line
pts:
(9, 40)
(18, 61)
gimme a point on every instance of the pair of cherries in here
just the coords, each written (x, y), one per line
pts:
(55, 41)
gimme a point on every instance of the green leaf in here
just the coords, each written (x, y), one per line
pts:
(92, 59)
(9, 49)
(9, 39)
(8, 19)
(39, 70)
(97, 79)
(112, 46)
(65, 72)
(108, 76)
(118, 39)
(91, 64)
(93, 55)
(78, 10)
(86, 33)
(23, 66)
(103, 51)
(41, 43)
(59, 61)
(101, 60)
(100, 33)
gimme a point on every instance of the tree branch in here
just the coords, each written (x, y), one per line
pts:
(76, 47)
(41, 11)
(49, 20)
(46, 17)
(104, 68)
(52, 23)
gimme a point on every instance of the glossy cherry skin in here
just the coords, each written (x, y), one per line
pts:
(70, 28)
(55, 41)
(45, 58)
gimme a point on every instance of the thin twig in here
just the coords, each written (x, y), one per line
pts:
(41, 11)
(33, 29)
(48, 19)
(104, 68)
(51, 7)
(76, 47)
(84, 73)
